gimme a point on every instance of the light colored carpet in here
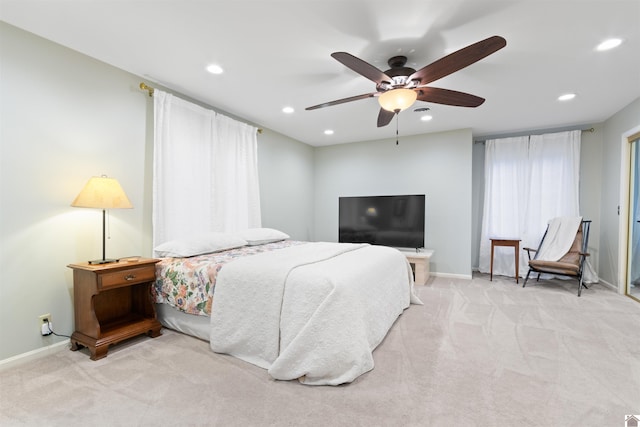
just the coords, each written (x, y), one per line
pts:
(478, 353)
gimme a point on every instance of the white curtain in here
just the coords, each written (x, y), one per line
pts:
(505, 200)
(205, 171)
(528, 181)
(236, 194)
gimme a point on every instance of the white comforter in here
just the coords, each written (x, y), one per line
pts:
(314, 312)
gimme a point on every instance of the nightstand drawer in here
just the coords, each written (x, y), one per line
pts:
(126, 277)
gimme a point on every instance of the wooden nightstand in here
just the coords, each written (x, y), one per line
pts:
(112, 302)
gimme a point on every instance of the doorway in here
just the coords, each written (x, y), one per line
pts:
(633, 247)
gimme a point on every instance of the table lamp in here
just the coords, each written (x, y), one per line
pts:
(102, 193)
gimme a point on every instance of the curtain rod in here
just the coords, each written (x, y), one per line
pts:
(482, 141)
(149, 89)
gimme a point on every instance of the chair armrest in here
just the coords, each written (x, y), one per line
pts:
(529, 250)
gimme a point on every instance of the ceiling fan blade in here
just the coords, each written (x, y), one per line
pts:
(448, 97)
(361, 67)
(458, 60)
(384, 117)
(342, 101)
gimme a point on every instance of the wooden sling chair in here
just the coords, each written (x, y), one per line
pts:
(571, 264)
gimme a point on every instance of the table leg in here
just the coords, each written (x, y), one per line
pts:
(492, 245)
(517, 247)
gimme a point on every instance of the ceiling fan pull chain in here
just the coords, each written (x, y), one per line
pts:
(397, 128)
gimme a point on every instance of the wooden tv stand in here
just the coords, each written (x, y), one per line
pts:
(420, 261)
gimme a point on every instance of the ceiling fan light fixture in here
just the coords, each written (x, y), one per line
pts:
(397, 88)
(396, 100)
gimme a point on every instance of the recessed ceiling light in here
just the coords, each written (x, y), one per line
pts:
(609, 44)
(288, 110)
(214, 69)
(328, 132)
(566, 97)
(426, 118)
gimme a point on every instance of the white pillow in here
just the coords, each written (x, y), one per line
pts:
(260, 236)
(205, 244)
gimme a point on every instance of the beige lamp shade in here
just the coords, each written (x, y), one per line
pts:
(102, 193)
(396, 100)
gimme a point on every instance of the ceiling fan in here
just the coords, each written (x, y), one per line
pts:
(400, 86)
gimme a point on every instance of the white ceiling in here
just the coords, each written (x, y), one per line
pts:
(276, 53)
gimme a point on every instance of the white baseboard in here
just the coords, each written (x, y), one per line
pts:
(610, 285)
(452, 275)
(32, 355)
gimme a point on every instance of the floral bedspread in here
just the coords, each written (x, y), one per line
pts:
(188, 284)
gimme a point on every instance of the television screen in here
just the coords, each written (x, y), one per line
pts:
(396, 221)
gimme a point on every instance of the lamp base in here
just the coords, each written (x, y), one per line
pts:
(102, 261)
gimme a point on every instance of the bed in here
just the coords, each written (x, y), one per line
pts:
(311, 311)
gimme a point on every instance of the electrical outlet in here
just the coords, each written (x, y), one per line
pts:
(45, 324)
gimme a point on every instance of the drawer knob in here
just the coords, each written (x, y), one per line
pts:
(129, 277)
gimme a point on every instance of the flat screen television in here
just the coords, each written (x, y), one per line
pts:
(396, 221)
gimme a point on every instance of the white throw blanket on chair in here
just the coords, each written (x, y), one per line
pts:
(560, 237)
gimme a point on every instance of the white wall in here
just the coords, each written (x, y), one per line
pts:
(477, 202)
(614, 128)
(286, 185)
(66, 117)
(437, 165)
